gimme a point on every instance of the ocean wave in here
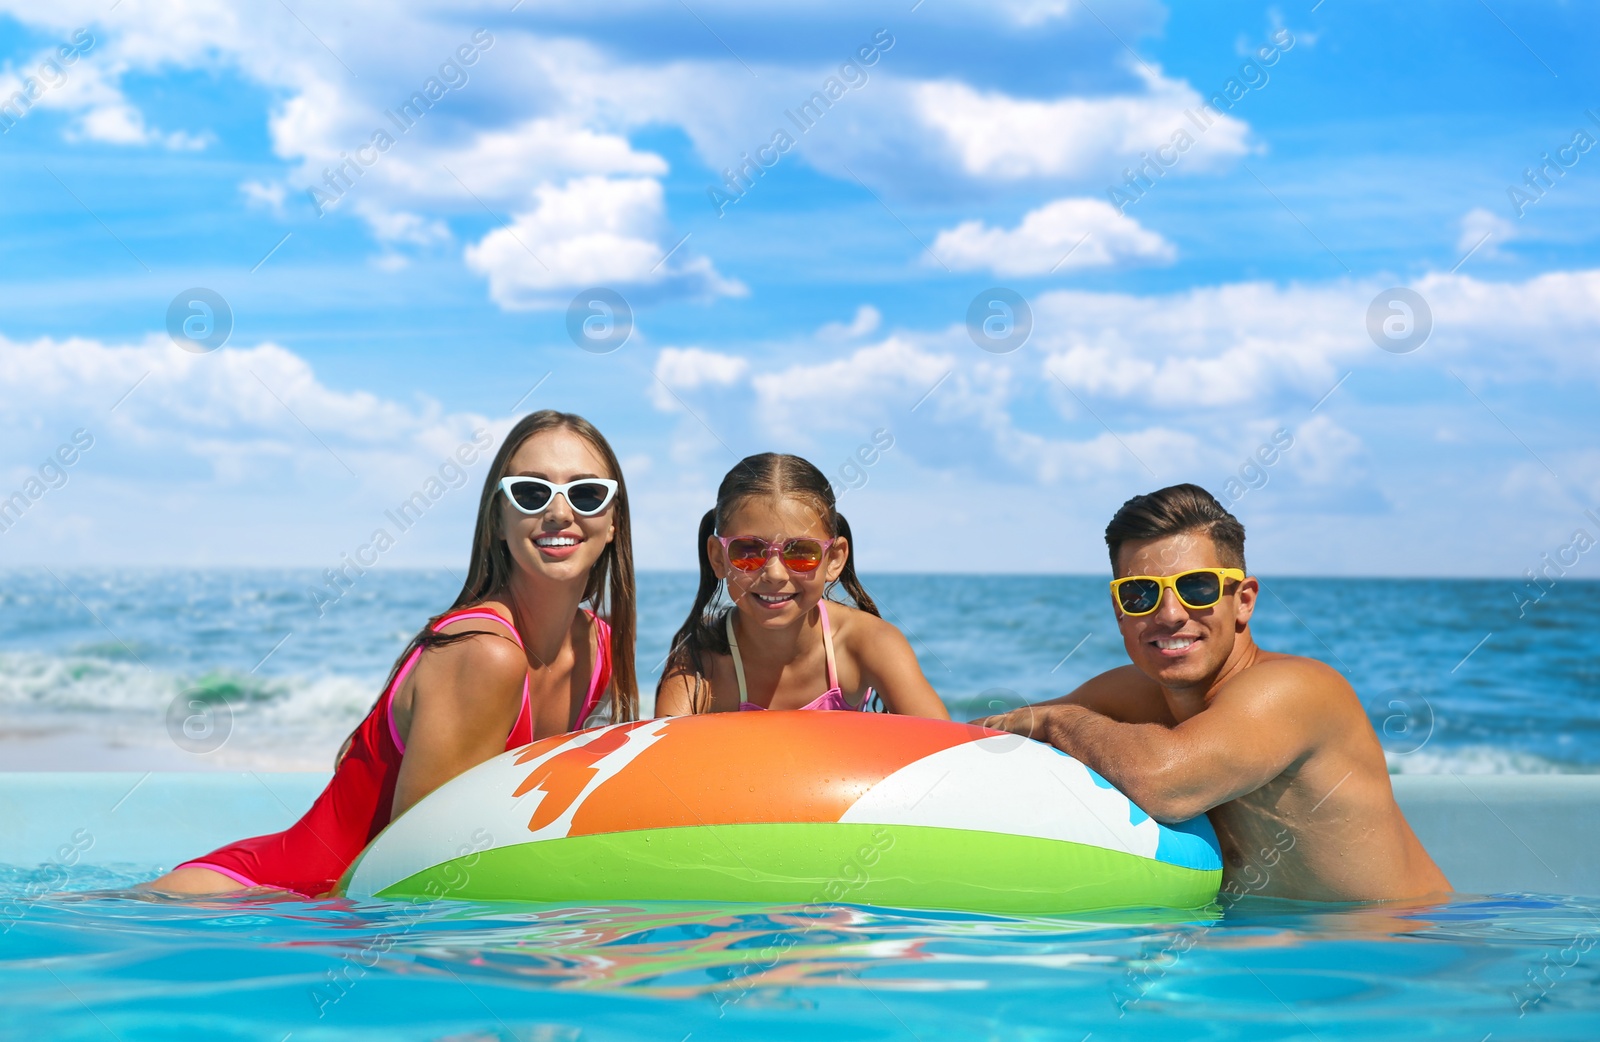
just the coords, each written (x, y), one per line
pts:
(84, 691)
(1479, 759)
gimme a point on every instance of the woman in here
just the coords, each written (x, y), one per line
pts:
(515, 659)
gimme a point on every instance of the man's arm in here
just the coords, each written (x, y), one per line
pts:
(1124, 694)
(1254, 729)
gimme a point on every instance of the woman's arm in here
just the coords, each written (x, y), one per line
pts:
(890, 667)
(465, 701)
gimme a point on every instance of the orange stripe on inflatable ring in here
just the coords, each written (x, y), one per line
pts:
(562, 777)
(745, 768)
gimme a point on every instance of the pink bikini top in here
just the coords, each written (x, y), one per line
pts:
(832, 699)
(592, 714)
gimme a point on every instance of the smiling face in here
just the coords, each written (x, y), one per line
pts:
(774, 596)
(1176, 646)
(558, 543)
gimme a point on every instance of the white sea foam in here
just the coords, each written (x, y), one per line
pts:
(99, 703)
(1476, 759)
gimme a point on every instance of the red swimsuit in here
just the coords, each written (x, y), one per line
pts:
(309, 856)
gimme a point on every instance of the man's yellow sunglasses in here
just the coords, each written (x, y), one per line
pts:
(1199, 588)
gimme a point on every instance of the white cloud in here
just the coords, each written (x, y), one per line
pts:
(1065, 235)
(393, 227)
(1176, 376)
(122, 124)
(268, 194)
(114, 124)
(590, 231)
(432, 163)
(1483, 232)
(539, 142)
(903, 135)
(1237, 343)
(682, 374)
(1142, 454)
(500, 164)
(539, 117)
(918, 379)
(995, 135)
(866, 382)
(242, 454)
(260, 399)
(691, 368)
(1209, 346)
(1546, 328)
(1325, 453)
(865, 323)
(1029, 13)
(89, 85)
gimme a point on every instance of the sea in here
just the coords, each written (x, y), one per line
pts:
(236, 669)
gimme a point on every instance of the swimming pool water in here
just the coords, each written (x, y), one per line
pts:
(129, 968)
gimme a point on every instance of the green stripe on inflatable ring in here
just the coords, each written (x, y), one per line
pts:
(901, 866)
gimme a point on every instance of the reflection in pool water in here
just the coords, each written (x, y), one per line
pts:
(134, 967)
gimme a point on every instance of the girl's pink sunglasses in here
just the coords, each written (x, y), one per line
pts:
(750, 553)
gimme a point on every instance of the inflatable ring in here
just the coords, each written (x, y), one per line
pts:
(790, 808)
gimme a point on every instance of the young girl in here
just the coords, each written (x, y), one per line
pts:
(516, 658)
(778, 541)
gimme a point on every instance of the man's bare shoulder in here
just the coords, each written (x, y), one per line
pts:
(1280, 666)
(1124, 694)
(1292, 679)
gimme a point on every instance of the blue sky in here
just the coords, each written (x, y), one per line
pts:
(1172, 336)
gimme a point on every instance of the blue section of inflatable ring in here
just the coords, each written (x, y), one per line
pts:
(1190, 844)
(1187, 844)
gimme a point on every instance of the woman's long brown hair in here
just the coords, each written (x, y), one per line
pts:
(766, 474)
(610, 591)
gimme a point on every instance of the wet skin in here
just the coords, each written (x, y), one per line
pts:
(780, 634)
(1276, 749)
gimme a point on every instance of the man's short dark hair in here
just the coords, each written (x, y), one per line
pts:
(1175, 509)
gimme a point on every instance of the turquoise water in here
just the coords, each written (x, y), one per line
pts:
(1452, 678)
(1514, 966)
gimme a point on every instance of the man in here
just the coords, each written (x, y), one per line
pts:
(1276, 749)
